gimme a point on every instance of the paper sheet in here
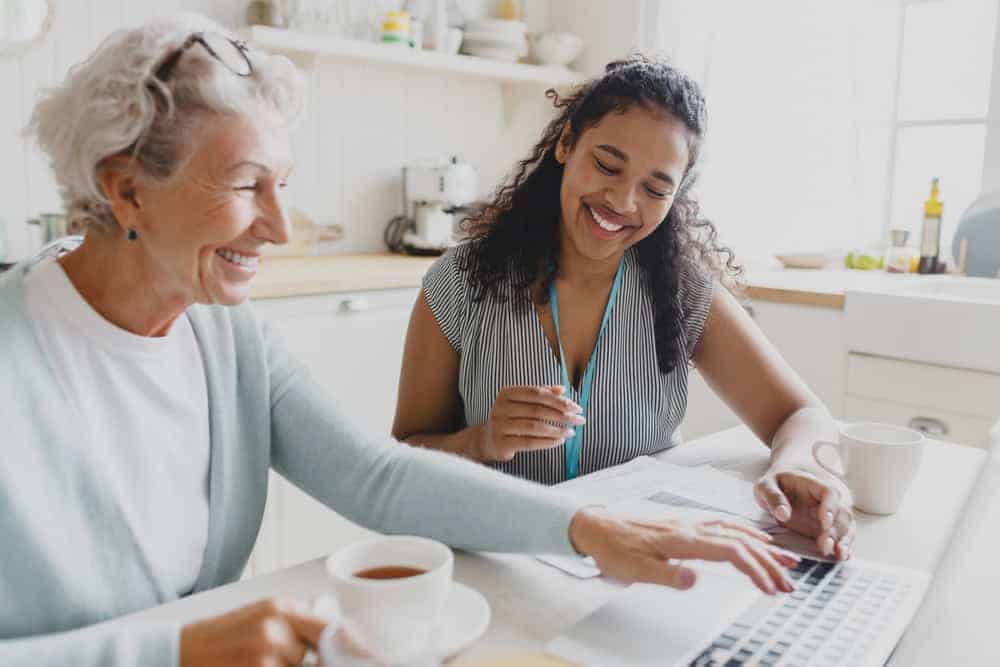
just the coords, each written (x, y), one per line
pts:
(644, 485)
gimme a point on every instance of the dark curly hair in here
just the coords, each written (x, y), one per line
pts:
(516, 234)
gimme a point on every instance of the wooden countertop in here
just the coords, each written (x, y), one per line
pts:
(329, 274)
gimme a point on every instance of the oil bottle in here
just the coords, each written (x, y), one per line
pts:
(930, 234)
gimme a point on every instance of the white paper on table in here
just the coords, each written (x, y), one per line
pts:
(646, 486)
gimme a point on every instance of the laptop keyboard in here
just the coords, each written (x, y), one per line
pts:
(833, 616)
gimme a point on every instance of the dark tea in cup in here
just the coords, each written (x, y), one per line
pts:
(389, 572)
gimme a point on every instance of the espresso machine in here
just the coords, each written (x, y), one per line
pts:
(434, 193)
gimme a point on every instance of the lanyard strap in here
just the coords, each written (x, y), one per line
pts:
(575, 442)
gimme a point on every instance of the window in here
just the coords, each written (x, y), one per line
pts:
(942, 104)
(829, 118)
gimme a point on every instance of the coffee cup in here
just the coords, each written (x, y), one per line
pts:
(879, 463)
(393, 590)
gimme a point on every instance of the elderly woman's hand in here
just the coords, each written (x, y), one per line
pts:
(269, 632)
(810, 502)
(648, 551)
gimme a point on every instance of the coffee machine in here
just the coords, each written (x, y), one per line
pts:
(434, 191)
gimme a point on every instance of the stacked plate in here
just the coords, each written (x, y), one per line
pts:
(496, 39)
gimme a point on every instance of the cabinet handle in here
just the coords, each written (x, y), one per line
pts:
(355, 305)
(929, 426)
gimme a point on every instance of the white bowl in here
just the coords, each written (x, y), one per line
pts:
(497, 27)
(802, 260)
(555, 48)
(493, 53)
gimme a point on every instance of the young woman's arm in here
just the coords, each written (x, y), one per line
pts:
(429, 408)
(749, 374)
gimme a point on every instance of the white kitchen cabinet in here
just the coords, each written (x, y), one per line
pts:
(811, 339)
(353, 345)
(952, 404)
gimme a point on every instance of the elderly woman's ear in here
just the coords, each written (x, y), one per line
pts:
(118, 184)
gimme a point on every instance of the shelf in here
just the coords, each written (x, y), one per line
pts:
(323, 46)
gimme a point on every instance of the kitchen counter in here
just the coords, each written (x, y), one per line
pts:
(279, 277)
(325, 274)
(820, 288)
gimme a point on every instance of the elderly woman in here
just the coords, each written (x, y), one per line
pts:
(144, 404)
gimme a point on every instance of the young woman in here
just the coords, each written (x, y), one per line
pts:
(557, 340)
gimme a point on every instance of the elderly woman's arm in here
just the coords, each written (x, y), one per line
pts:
(394, 488)
(111, 643)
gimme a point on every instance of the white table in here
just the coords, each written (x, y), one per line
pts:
(532, 603)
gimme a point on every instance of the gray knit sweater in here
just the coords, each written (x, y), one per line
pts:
(69, 561)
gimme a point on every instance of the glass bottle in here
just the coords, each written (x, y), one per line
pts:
(930, 233)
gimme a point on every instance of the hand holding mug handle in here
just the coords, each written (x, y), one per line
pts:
(819, 446)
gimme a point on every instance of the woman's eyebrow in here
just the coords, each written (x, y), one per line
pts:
(659, 175)
(613, 151)
(249, 163)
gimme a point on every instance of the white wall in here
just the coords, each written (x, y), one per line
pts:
(363, 124)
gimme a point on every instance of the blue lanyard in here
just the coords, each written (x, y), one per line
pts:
(575, 443)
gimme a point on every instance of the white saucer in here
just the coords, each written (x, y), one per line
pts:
(464, 619)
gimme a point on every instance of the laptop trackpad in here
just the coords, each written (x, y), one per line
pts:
(655, 625)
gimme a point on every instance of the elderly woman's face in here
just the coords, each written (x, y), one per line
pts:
(204, 231)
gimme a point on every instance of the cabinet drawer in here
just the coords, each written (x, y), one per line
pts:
(957, 428)
(963, 392)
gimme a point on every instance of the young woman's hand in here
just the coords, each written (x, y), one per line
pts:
(649, 551)
(812, 503)
(526, 418)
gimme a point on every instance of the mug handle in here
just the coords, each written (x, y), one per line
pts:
(819, 446)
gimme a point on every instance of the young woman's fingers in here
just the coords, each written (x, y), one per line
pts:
(826, 510)
(539, 412)
(542, 396)
(533, 428)
(522, 443)
(771, 498)
(846, 543)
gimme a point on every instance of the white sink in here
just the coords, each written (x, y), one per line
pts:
(937, 320)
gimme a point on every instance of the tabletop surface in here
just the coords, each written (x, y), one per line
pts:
(532, 603)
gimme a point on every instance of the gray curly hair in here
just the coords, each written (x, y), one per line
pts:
(112, 104)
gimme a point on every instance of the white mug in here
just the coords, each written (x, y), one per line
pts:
(394, 616)
(879, 461)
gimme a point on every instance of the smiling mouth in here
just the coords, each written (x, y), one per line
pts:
(602, 222)
(233, 257)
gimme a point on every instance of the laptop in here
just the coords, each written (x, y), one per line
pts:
(846, 613)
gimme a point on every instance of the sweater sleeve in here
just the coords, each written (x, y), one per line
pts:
(398, 489)
(109, 643)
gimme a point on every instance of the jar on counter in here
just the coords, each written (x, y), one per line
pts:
(898, 257)
(265, 12)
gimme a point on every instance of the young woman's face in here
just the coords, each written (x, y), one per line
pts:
(620, 179)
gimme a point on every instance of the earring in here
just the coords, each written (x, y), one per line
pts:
(131, 234)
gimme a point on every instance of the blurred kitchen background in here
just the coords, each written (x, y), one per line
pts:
(828, 122)
(828, 118)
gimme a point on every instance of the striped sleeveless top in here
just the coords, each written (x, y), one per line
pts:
(634, 409)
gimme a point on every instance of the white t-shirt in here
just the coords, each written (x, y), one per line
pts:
(142, 412)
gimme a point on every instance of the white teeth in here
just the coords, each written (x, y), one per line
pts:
(236, 258)
(604, 224)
